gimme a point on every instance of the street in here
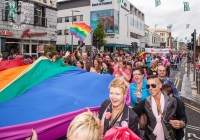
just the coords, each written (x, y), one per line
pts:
(192, 130)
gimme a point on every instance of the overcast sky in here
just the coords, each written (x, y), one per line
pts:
(171, 12)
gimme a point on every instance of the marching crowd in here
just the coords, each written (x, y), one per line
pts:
(142, 96)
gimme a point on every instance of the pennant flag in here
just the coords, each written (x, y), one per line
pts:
(120, 1)
(12, 9)
(187, 26)
(176, 39)
(188, 41)
(185, 38)
(186, 6)
(170, 26)
(157, 2)
(181, 40)
(156, 25)
(80, 30)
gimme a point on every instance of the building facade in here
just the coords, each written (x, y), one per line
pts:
(164, 37)
(26, 27)
(123, 23)
(154, 40)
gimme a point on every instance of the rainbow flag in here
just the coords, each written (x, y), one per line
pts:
(47, 96)
(80, 30)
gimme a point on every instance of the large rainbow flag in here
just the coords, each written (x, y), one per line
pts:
(46, 96)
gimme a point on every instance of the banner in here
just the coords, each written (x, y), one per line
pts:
(152, 50)
(186, 6)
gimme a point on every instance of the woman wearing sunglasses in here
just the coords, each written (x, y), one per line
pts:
(115, 112)
(138, 90)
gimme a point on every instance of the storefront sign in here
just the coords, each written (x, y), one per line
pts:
(6, 33)
(41, 48)
(52, 26)
(26, 33)
(101, 2)
(124, 7)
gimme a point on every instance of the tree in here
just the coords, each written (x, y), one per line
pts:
(99, 32)
(50, 48)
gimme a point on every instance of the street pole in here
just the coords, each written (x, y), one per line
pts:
(194, 47)
(72, 35)
(65, 40)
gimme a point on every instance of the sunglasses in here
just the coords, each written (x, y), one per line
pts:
(151, 85)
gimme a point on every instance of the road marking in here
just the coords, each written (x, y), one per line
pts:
(192, 107)
(194, 135)
(193, 127)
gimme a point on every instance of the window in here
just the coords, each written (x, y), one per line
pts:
(39, 16)
(66, 19)
(74, 18)
(59, 20)
(66, 32)
(10, 11)
(162, 34)
(81, 18)
(131, 21)
(59, 32)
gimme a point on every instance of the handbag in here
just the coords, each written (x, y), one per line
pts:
(142, 120)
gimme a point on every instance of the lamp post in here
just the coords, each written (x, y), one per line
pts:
(127, 24)
(76, 10)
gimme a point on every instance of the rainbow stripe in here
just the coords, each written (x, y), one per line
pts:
(80, 30)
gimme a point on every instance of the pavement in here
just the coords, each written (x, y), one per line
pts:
(189, 89)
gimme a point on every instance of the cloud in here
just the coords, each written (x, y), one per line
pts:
(171, 12)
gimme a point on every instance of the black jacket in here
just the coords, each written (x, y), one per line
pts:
(128, 115)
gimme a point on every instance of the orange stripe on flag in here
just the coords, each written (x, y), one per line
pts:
(7, 76)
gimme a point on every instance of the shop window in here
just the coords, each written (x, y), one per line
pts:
(26, 41)
(40, 16)
(33, 41)
(59, 32)
(59, 20)
(26, 48)
(34, 49)
(81, 18)
(40, 42)
(66, 31)
(66, 19)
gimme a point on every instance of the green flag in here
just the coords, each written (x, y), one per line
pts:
(181, 40)
(156, 25)
(187, 26)
(188, 41)
(12, 9)
(185, 38)
(120, 1)
(176, 39)
(170, 26)
(157, 2)
(186, 6)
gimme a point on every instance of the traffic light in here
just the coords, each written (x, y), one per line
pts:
(132, 44)
(192, 39)
(189, 46)
(95, 40)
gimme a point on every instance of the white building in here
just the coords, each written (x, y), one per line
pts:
(123, 22)
(154, 40)
(32, 27)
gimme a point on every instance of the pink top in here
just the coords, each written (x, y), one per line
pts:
(117, 73)
(166, 63)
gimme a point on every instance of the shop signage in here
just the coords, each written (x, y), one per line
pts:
(26, 33)
(101, 2)
(52, 26)
(6, 33)
(124, 7)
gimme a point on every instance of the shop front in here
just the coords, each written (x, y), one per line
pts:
(28, 46)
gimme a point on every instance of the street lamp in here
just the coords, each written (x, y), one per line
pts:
(127, 24)
(75, 10)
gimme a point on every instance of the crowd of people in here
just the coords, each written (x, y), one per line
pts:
(141, 89)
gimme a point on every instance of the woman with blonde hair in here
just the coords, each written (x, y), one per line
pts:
(85, 126)
(115, 112)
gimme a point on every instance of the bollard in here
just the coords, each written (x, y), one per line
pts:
(198, 82)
